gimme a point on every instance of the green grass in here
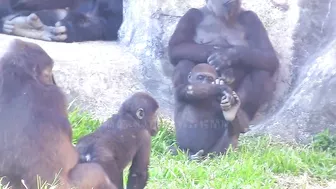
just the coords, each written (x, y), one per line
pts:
(257, 164)
(253, 165)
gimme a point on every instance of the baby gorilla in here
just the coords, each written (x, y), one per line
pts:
(206, 74)
(205, 106)
(124, 138)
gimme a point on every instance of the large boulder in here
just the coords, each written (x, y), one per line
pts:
(309, 105)
(98, 76)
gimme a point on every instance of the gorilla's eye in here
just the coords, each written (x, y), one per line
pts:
(140, 113)
(200, 77)
(210, 79)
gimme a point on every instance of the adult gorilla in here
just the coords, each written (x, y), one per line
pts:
(236, 43)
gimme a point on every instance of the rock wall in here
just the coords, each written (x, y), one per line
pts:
(309, 108)
(96, 76)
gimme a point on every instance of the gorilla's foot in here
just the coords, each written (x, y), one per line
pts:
(245, 130)
(21, 23)
(8, 27)
(47, 33)
(34, 22)
(173, 150)
(244, 121)
(32, 27)
(197, 156)
(14, 25)
(229, 108)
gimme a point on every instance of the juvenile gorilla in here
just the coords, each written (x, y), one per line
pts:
(35, 132)
(62, 20)
(236, 43)
(124, 138)
(204, 107)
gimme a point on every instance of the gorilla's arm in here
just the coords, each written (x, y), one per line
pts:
(187, 92)
(196, 92)
(76, 31)
(260, 54)
(114, 19)
(181, 44)
(101, 23)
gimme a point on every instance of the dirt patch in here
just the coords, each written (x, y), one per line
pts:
(303, 182)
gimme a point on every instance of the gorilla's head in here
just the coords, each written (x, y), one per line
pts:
(225, 9)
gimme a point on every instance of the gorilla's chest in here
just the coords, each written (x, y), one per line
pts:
(213, 31)
(196, 113)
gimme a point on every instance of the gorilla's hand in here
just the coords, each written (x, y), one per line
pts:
(224, 88)
(60, 32)
(227, 75)
(224, 58)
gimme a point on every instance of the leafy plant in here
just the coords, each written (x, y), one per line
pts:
(325, 141)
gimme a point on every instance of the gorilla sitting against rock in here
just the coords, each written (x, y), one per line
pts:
(235, 42)
(62, 20)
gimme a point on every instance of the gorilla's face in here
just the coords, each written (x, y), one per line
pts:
(225, 9)
(201, 77)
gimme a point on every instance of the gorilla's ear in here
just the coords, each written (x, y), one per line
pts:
(189, 76)
(53, 79)
(140, 113)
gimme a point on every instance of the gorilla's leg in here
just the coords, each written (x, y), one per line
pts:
(191, 156)
(245, 91)
(230, 104)
(255, 90)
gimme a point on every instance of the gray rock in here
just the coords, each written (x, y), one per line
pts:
(310, 108)
(307, 109)
(96, 76)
